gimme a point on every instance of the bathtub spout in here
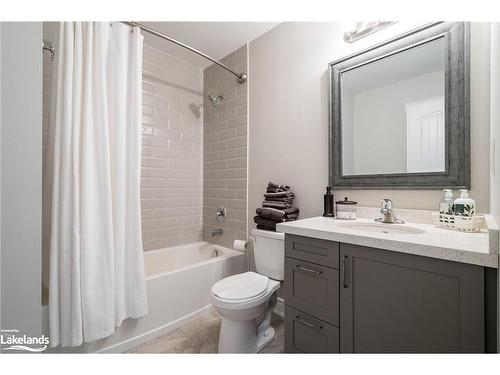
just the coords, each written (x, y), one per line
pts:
(217, 232)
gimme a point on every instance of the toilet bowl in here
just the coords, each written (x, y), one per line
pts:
(245, 301)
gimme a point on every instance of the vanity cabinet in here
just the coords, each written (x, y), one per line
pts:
(354, 299)
(400, 303)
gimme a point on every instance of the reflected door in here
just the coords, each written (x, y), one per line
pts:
(425, 136)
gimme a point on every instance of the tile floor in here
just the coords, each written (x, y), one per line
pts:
(202, 336)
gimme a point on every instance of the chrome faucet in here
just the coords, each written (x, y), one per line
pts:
(388, 216)
(216, 232)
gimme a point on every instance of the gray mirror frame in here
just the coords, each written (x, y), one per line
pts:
(457, 111)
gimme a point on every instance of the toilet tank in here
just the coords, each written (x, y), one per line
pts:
(269, 253)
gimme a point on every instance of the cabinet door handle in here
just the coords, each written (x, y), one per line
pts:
(344, 279)
(317, 328)
(308, 270)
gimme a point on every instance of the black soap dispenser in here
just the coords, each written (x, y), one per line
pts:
(328, 200)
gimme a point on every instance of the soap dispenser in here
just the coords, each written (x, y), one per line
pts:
(446, 205)
(328, 203)
(464, 206)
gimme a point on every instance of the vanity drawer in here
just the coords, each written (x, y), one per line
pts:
(306, 334)
(313, 289)
(312, 250)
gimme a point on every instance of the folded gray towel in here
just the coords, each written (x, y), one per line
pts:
(263, 227)
(272, 185)
(275, 204)
(281, 194)
(274, 190)
(284, 200)
(276, 214)
(266, 222)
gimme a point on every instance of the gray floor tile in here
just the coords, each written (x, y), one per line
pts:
(202, 336)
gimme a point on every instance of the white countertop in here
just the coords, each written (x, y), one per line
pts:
(472, 248)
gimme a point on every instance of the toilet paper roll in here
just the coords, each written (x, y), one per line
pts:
(239, 245)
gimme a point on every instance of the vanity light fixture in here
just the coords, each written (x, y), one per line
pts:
(363, 29)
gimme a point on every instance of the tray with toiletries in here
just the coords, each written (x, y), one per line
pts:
(457, 222)
(458, 214)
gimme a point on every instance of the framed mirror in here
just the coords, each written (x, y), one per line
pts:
(399, 112)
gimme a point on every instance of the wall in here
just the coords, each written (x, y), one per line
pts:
(288, 114)
(172, 154)
(225, 151)
(50, 34)
(495, 139)
(21, 201)
(495, 121)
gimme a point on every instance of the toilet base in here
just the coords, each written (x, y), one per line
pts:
(241, 337)
(244, 336)
(265, 339)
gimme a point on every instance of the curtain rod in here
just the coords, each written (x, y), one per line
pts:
(240, 77)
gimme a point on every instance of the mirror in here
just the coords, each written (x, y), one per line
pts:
(399, 113)
(393, 113)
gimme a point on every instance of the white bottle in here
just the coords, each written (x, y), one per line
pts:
(446, 205)
(464, 206)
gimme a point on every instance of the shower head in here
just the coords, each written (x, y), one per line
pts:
(216, 100)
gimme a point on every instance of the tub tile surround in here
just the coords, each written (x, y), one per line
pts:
(225, 151)
(473, 248)
(172, 153)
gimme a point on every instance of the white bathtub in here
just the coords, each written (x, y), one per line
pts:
(179, 280)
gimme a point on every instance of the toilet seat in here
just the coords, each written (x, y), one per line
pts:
(243, 286)
(243, 291)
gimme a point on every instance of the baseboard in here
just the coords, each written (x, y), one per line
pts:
(279, 309)
(157, 332)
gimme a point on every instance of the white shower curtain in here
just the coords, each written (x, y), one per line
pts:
(96, 263)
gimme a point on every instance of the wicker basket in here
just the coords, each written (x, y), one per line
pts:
(460, 223)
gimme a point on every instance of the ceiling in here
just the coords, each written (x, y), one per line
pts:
(216, 39)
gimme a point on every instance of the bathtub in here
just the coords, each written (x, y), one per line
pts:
(179, 280)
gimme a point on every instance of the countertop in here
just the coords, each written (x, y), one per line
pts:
(473, 248)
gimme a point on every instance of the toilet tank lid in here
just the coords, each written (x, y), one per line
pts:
(268, 234)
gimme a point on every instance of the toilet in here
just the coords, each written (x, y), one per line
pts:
(245, 301)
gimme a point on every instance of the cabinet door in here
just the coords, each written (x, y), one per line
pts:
(306, 334)
(313, 289)
(400, 303)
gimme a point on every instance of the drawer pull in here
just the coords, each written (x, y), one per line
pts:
(308, 324)
(308, 270)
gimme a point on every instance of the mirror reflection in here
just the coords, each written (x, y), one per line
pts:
(392, 109)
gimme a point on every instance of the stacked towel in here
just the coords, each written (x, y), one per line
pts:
(276, 188)
(277, 207)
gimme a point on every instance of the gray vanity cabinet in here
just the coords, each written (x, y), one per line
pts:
(353, 299)
(401, 303)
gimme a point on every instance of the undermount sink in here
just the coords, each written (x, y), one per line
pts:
(382, 228)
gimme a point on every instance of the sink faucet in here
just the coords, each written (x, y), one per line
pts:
(388, 216)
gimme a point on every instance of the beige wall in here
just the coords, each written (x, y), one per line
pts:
(288, 115)
(225, 151)
(495, 121)
(21, 176)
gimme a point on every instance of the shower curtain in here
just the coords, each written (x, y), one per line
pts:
(96, 263)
